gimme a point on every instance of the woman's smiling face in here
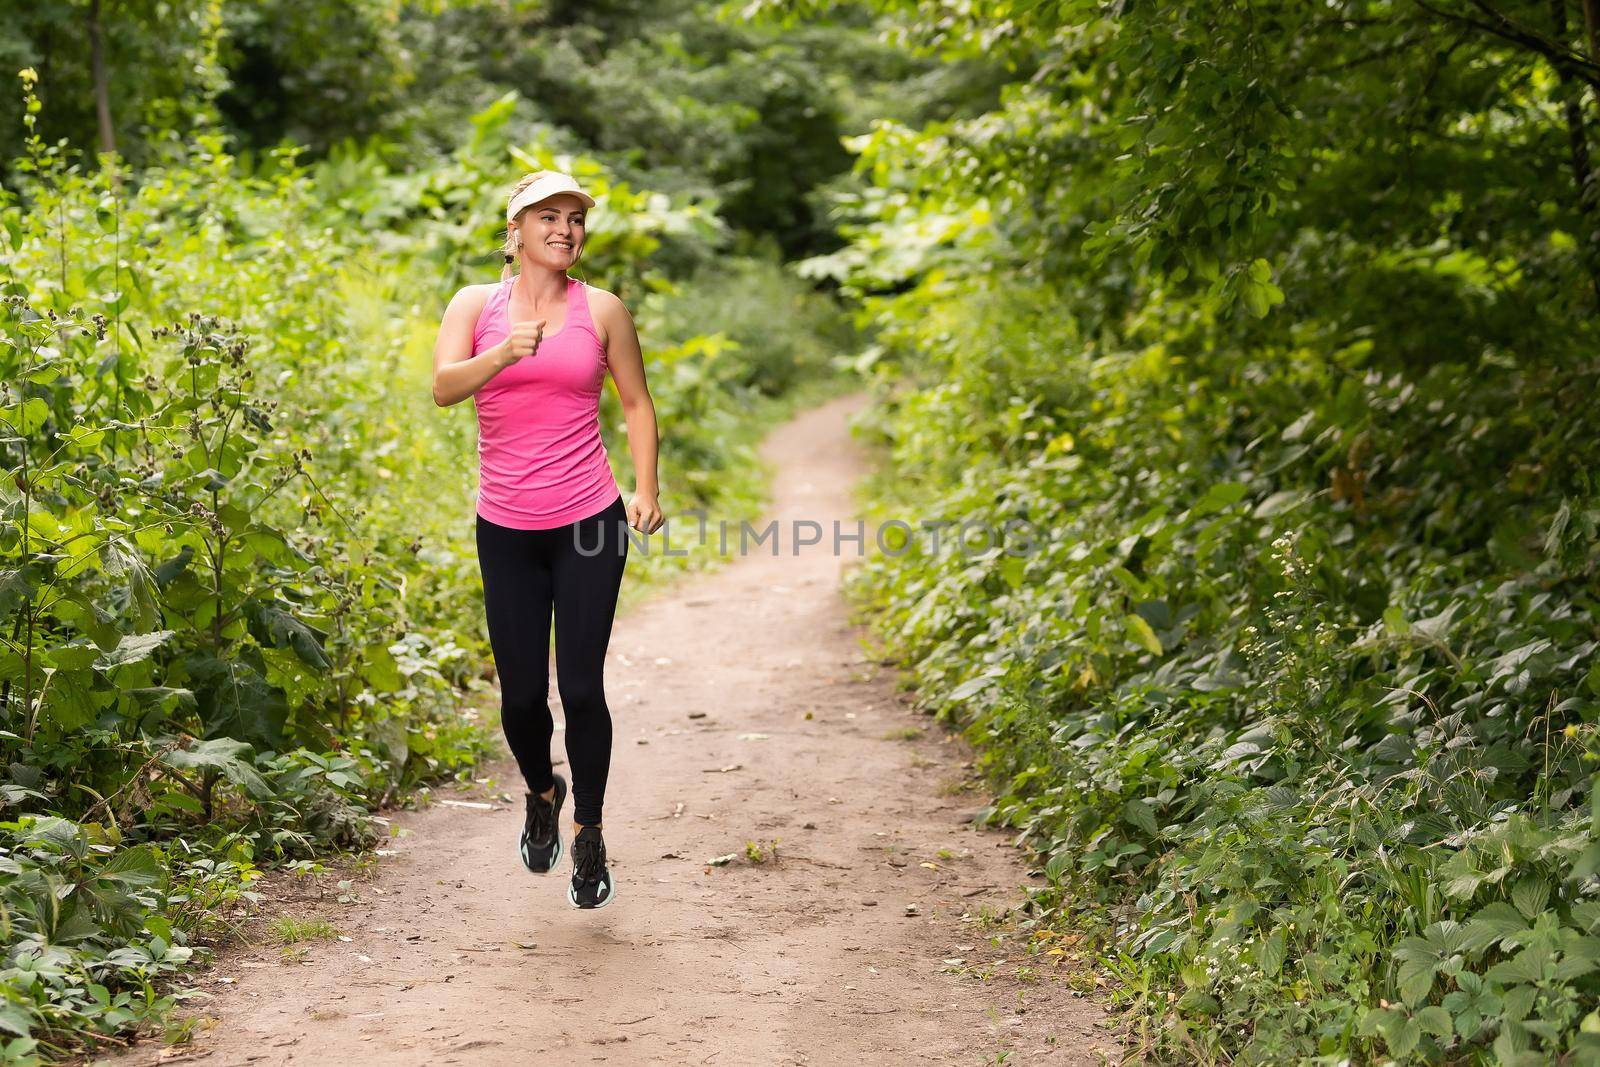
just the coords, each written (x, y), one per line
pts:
(553, 231)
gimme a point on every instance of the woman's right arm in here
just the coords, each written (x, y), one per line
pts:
(456, 373)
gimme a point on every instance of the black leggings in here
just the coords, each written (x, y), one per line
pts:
(575, 569)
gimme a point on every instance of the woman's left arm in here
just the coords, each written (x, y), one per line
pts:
(638, 409)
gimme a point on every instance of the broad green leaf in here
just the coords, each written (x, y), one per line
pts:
(228, 757)
(137, 866)
(1270, 952)
(133, 648)
(1139, 631)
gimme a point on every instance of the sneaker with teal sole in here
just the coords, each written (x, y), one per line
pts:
(541, 831)
(592, 885)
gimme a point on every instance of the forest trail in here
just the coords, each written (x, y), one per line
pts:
(457, 954)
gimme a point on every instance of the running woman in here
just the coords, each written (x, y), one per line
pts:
(551, 521)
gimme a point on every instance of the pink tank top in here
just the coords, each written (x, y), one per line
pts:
(541, 462)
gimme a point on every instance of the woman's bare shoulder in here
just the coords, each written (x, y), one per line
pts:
(603, 300)
(477, 292)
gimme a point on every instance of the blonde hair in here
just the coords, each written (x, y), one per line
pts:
(509, 248)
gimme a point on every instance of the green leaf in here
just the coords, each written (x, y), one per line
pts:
(1270, 952)
(1436, 1021)
(1530, 895)
(1415, 980)
(1402, 1036)
(63, 833)
(1278, 503)
(133, 648)
(1572, 967)
(380, 670)
(285, 629)
(1139, 631)
(15, 1020)
(236, 701)
(228, 757)
(17, 585)
(26, 419)
(1199, 1001)
(1495, 923)
(1219, 496)
(1526, 966)
(1141, 814)
(138, 867)
(70, 703)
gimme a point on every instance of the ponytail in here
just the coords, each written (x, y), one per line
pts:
(510, 249)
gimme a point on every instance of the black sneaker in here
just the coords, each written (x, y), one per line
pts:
(541, 833)
(591, 886)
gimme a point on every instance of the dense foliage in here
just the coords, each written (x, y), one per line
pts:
(1277, 324)
(238, 614)
(673, 98)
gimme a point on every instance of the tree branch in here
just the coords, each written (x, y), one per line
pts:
(1559, 55)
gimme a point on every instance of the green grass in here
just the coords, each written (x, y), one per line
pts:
(291, 930)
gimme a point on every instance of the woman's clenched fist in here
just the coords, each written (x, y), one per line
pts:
(523, 340)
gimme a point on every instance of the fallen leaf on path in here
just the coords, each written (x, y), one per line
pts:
(697, 715)
(719, 861)
(753, 737)
(477, 805)
(930, 866)
(722, 770)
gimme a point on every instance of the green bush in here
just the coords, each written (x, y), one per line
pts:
(1295, 696)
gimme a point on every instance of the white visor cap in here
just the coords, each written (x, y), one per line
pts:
(544, 188)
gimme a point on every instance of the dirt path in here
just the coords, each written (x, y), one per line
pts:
(456, 954)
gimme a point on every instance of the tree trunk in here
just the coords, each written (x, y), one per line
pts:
(1578, 147)
(102, 90)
